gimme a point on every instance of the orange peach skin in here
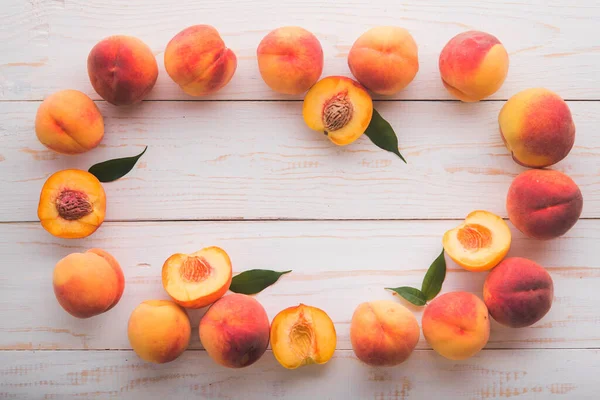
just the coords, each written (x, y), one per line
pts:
(473, 65)
(544, 204)
(69, 122)
(88, 284)
(198, 61)
(122, 69)
(537, 128)
(290, 60)
(235, 331)
(384, 59)
(383, 333)
(456, 325)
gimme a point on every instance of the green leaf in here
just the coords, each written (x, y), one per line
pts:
(111, 170)
(254, 280)
(382, 134)
(434, 278)
(411, 294)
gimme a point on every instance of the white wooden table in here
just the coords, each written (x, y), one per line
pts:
(240, 170)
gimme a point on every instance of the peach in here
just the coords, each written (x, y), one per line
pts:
(235, 331)
(72, 204)
(537, 127)
(480, 243)
(88, 284)
(302, 335)
(518, 292)
(122, 69)
(456, 325)
(383, 333)
(473, 65)
(159, 331)
(544, 204)
(340, 107)
(69, 122)
(384, 59)
(198, 61)
(198, 279)
(290, 60)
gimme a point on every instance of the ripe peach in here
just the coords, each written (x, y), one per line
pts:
(69, 122)
(88, 284)
(340, 107)
(159, 331)
(290, 60)
(235, 331)
(544, 204)
(518, 292)
(537, 127)
(473, 65)
(456, 325)
(302, 335)
(383, 333)
(72, 204)
(384, 59)
(198, 61)
(122, 69)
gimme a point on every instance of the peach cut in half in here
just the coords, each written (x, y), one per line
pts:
(198, 279)
(480, 243)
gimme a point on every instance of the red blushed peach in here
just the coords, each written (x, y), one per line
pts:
(473, 65)
(544, 204)
(290, 60)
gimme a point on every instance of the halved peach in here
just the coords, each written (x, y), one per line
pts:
(302, 335)
(480, 243)
(198, 279)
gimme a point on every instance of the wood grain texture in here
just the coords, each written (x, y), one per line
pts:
(257, 160)
(44, 44)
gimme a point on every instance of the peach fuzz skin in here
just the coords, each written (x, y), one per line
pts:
(290, 59)
(544, 204)
(518, 292)
(235, 331)
(537, 127)
(198, 60)
(456, 325)
(69, 122)
(384, 59)
(473, 65)
(383, 333)
(122, 69)
(159, 331)
(88, 284)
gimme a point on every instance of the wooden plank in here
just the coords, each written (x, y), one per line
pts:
(44, 44)
(336, 265)
(257, 160)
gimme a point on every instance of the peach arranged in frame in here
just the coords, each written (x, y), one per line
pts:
(544, 204)
(198, 60)
(340, 107)
(480, 243)
(88, 284)
(159, 331)
(456, 325)
(302, 335)
(290, 59)
(198, 279)
(122, 69)
(383, 333)
(69, 122)
(537, 127)
(473, 65)
(518, 292)
(384, 59)
(235, 331)
(72, 204)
